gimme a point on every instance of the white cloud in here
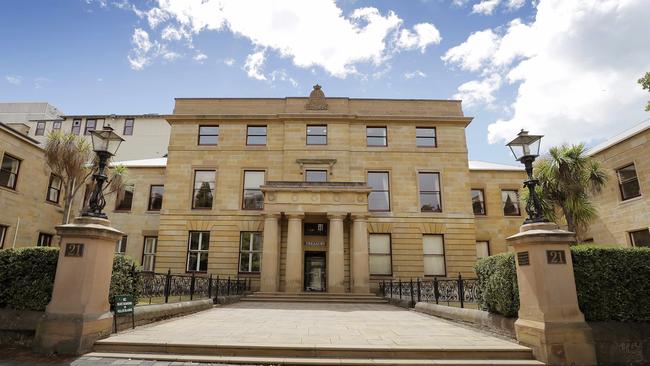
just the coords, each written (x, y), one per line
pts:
(423, 35)
(479, 92)
(253, 65)
(472, 54)
(415, 74)
(310, 33)
(41, 82)
(485, 7)
(200, 57)
(229, 61)
(144, 50)
(575, 66)
(515, 4)
(14, 79)
(281, 75)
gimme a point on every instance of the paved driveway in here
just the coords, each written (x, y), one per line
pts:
(312, 324)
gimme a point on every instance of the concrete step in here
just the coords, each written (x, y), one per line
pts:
(278, 351)
(314, 297)
(314, 300)
(313, 294)
(309, 361)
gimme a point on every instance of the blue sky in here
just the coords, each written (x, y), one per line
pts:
(563, 68)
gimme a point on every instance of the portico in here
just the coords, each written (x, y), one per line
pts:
(315, 254)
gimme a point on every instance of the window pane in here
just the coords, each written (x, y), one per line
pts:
(425, 141)
(203, 197)
(429, 182)
(253, 180)
(257, 130)
(147, 263)
(378, 201)
(434, 265)
(317, 130)
(191, 261)
(316, 140)
(629, 172)
(253, 199)
(150, 245)
(208, 130)
(257, 259)
(640, 238)
(245, 241)
(204, 176)
(430, 202)
(203, 264)
(376, 141)
(10, 164)
(432, 244)
(256, 140)
(208, 140)
(378, 181)
(156, 197)
(630, 189)
(125, 198)
(510, 201)
(205, 240)
(376, 131)
(478, 202)
(379, 244)
(194, 240)
(257, 241)
(244, 258)
(316, 176)
(380, 265)
(425, 132)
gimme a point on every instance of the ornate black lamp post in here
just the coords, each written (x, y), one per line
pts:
(525, 148)
(105, 144)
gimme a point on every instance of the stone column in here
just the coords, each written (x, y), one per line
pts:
(335, 257)
(293, 275)
(270, 276)
(550, 321)
(359, 258)
(78, 313)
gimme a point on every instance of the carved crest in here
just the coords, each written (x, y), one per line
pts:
(316, 99)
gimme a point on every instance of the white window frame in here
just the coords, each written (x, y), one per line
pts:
(120, 246)
(250, 251)
(149, 253)
(427, 253)
(3, 234)
(203, 249)
(372, 253)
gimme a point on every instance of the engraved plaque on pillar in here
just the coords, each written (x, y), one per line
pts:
(74, 250)
(555, 257)
(523, 259)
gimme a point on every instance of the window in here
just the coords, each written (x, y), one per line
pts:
(3, 234)
(204, 184)
(255, 135)
(120, 246)
(208, 135)
(9, 171)
(149, 253)
(379, 252)
(482, 249)
(253, 196)
(91, 125)
(434, 255)
(510, 200)
(40, 128)
(640, 238)
(316, 176)
(156, 193)
(478, 202)
(316, 135)
(379, 197)
(128, 127)
(628, 182)
(44, 240)
(54, 189)
(430, 192)
(76, 126)
(124, 199)
(376, 136)
(56, 126)
(425, 137)
(250, 252)
(197, 251)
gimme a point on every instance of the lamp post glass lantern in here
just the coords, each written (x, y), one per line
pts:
(525, 149)
(105, 144)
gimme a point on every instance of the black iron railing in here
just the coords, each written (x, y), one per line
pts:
(448, 291)
(168, 287)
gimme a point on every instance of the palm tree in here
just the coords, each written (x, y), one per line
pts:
(71, 158)
(568, 179)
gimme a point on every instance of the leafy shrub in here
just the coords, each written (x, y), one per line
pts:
(27, 277)
(497, 283)
(612, 283)
(124, 280)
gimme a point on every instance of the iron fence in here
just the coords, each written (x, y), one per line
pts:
(168, 287)
(452, 292)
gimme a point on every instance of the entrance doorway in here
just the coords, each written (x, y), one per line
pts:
(315, 272)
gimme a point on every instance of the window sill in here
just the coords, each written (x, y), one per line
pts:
(152, 212)
(480, 216)
(121, 211)
(56, 204)
(13, 190)
(248, 274)
(202, 208)
(630, 200)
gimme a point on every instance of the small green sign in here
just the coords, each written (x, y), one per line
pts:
(123, 304)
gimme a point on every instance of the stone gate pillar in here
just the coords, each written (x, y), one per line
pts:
(79, 312)
(550, 321)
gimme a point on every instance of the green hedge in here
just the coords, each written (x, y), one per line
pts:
(497, 283)
(27, 277)
(612, 283)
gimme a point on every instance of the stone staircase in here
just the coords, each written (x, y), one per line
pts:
(317, 297)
